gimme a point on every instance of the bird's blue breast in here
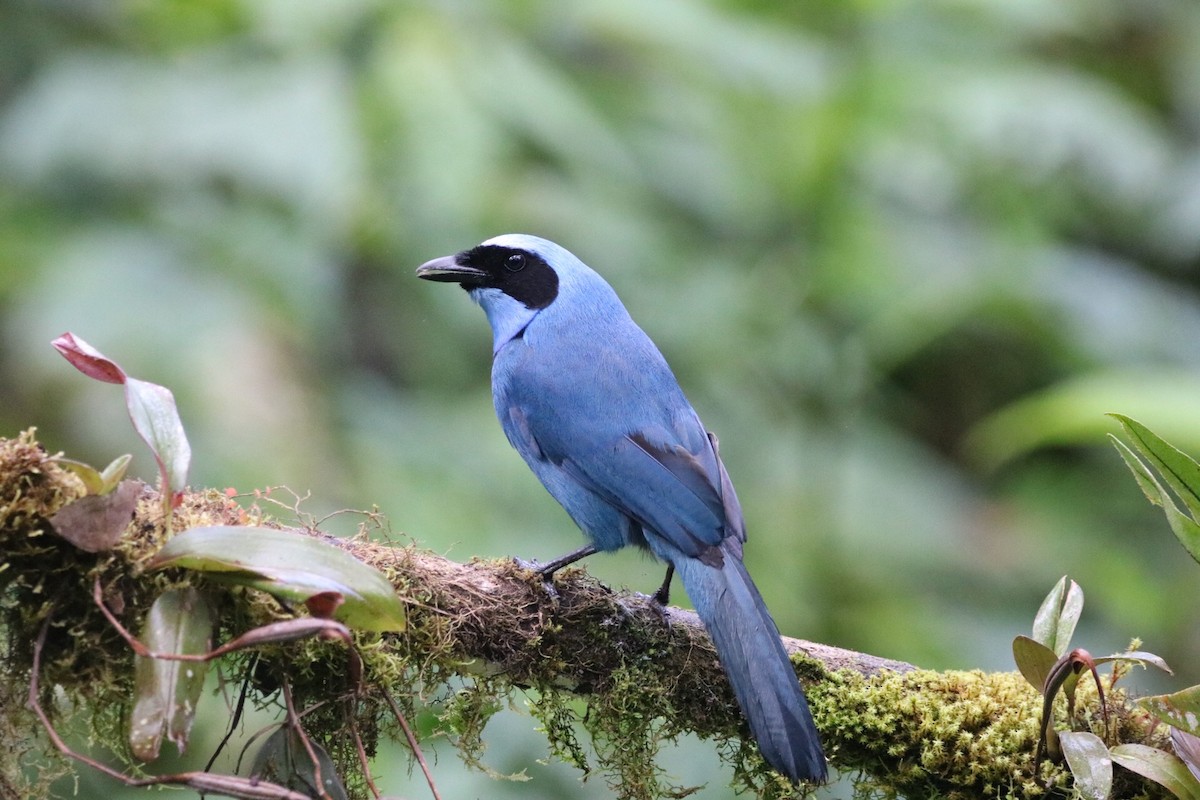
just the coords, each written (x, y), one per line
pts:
(570, 390)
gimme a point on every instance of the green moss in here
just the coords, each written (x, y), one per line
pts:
(949, 734)
(952, 734)
(627, 729)
(474, 633)
(86, 665)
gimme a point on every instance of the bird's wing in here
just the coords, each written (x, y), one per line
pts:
(683, 496)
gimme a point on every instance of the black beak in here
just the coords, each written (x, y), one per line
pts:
(447, 270)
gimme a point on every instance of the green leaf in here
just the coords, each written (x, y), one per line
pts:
(1141, 473)
(156, 419)
(289, 565)
(165, 692)
(284, 759)
(1163, 768)
(114, 473)
(1183, 527)
(1034, 660)
(1138, 657)
(96, 482)
(93, 481)
(1090, 763)
(1186, 530)
(1054, 624)
(1179, 470)
(1181, 709)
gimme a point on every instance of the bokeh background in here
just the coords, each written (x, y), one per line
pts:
(903, 257)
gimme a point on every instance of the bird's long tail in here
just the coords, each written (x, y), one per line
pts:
(753, 657)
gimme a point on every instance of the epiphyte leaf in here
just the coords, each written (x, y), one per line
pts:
(284, 759)
(96, 481)
(1054, 624)
(151, 408)
(1034, 660)
(1165, 769)
(1090, 763)
(94, 523)
(1180, 710)
(166, 692)
(1187, 747)
(289, 565)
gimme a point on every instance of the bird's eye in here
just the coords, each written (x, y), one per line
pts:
(515, 262)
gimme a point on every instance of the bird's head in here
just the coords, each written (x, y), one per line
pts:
(512, 277)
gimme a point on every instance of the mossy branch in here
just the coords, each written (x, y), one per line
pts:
(643, 676)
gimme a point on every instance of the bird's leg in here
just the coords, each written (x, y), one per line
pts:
(657, 602)
(547, 570)
(664, 592)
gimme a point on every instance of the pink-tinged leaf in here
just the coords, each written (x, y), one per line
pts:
(88, 360)
(1034, 660)
(151, 408)
(1187, 747)
(155, 418)
(95, 523)
(324, 604)
(180, 621)
(1090, 763)
(1064, 675)
(1159, 766)
(1180, 710)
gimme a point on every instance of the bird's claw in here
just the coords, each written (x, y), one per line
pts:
(540, 570)
(644, 601)
(527, 564)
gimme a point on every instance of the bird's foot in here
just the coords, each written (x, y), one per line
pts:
(635, 604)
(529, 565)
(543, 571)
(547, 570)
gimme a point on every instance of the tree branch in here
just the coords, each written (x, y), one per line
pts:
(645, 675)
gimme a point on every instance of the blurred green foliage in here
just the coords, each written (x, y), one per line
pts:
(902, 256)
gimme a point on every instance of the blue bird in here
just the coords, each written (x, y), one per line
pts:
(590, 404)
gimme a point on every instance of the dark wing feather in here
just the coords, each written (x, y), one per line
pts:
(681, 496)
